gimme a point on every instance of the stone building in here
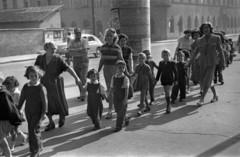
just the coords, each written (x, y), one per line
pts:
(169, 18)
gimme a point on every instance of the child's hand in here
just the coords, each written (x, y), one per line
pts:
(107, 99)
(175, 83)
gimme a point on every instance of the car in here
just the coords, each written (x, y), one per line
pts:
(94, 45)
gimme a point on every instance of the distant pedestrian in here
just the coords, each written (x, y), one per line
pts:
(167, 70)
(238, 43)
(35, 110)
(184, 42)
(96, 93)
(182, 74)
(120, 88)
(54, 65)
(144, 76)
(111, 52)
(152, 65)
(208, 59)
(127, 52)
(78, 49)
(67, 55)
(11, 84)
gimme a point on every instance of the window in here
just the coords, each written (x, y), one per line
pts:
(49, 2)
(90, 38)
(84, 3)
(71, 3)
(38, 3)
(15, 4)
(99, 3)
(25, 3)
(180, 24)
(196, 22)
(171, 24)
(152, 29)
(4, 4)
(189, 24)
(214, 21)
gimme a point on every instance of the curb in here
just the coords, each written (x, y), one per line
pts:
(15, 61)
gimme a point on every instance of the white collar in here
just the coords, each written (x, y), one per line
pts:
(35, 84)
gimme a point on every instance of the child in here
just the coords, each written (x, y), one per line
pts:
(95, 93)
(35, 95)
(182, 73)
(186, 60)
(232, 50)
(11, 84)
(168, 71)
(144, 76)
(119, 87)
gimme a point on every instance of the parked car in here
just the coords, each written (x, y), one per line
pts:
(93, 42)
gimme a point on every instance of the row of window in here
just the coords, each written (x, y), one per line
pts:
(230, 3)
(85, 3)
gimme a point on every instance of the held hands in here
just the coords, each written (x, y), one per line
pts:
(78, 82)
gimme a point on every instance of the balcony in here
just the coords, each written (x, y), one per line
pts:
(160, 3)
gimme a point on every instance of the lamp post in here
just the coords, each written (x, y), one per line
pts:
(93, 18)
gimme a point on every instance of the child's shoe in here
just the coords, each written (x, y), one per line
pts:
(117, 129)
(127, 119)
(139, 113)
(25, 140)
(147, 109)
(188, 91)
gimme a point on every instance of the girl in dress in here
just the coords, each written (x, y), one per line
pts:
(168, 71)
(11, 84)
(144, 73)
(96, 92)
(35, 95)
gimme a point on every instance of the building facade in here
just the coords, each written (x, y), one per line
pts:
(169, 18)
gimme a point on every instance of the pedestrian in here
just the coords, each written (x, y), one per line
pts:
(111, 52)
(34, 110)
(53, 65)
(168, 71)
(67, 55)
(238, 43)
(184, 42)
(195, 67)
(232, 50)
(96, 93)
(11, 84)
(182, 74)
(152, 65)
(78, 49)
(144, 76)
(127, 52)
(189, 71)
(120, 88)
(208, 45)
(218, 74)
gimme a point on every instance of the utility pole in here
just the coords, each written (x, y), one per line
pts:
(134, 21)
(93, 18)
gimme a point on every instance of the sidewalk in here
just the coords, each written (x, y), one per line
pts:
(21, 58)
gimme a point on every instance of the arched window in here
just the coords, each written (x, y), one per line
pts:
(73, 24)
(196, 22)
(238, 21)
(219, 22)
(180, 24)
(189, 24)
(86, 24)
(232, 23)
(99, 27)
(171, 24)
(235, 23)
(228, 22)
(214, 21)
(202, 20)
(208, 19)
(63, 25)
(152, 26)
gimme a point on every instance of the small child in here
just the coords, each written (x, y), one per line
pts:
(189, 72)
(152, 65)
(96, 92)
(119, 87)
(168, 71)
(11, 84)
(182, 74)
(35, 95)
(144, 76)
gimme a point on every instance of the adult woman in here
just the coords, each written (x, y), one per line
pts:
(208, 45)
(238, 43)
(110, 53)
(54, 65)
(126, 51)
(196, 67)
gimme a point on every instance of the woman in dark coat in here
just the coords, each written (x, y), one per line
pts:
(54, 65)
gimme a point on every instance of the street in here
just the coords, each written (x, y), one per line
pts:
(211, 130)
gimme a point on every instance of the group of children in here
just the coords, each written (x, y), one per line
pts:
(35, 97)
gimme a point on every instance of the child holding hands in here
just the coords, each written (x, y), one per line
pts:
(119, 87)
(168, 71)
(96, 92)
(35, 95)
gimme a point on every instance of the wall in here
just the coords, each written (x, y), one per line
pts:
(20, 41)
(52, 21)
(19, 25)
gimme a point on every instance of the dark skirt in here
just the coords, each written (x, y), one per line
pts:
(167, 83)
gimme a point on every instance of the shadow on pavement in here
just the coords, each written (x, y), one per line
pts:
(220, 147)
